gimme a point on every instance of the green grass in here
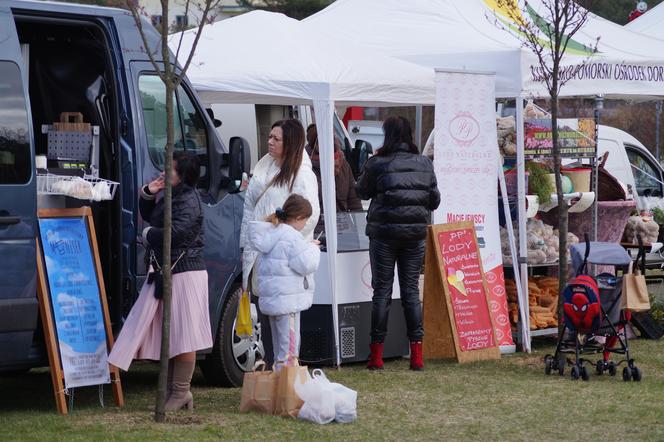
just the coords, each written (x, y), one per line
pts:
(510, 399)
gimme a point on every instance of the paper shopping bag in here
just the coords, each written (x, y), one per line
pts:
(288, 402)
(291, 372)
(635, 295)
(243, 325)
(259, 390)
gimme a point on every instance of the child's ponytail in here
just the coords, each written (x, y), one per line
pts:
(295, 207)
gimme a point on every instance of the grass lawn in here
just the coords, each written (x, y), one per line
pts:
(510, 399)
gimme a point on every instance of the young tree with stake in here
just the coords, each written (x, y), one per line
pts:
(548, 37)
(165, 66)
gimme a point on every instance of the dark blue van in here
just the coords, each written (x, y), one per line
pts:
(58, 58)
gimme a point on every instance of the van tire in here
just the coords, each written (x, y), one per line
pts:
(220, 367)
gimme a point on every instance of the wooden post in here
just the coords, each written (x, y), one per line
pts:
(57, 376)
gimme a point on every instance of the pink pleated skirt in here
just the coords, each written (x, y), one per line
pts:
(140, 337)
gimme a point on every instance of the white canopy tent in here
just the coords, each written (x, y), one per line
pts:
(454, 34)
(473, 35)
(651, 23)
(268, 58)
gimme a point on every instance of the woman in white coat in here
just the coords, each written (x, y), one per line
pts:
(285, 170)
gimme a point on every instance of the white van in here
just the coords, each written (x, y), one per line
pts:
(631, 163)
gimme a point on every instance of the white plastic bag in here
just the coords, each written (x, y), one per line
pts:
(345, 403)
(318, 399)
(325, 401)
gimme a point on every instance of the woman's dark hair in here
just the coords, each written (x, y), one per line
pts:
(397, 131)
(312, 134)
(188, 167)
(293, 140)
(295, 207)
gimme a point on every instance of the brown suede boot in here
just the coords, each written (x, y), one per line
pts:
(181, 395)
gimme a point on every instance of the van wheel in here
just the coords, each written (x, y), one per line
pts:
(232, 355)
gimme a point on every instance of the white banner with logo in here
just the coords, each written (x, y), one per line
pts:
(466, 164)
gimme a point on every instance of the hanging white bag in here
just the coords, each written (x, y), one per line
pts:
(318, 397)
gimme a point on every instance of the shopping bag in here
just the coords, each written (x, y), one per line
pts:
(290, 372)
(243, 324)
(345, 403)
(288, 402)
(316, 392)
(259, 390)
(635, 295)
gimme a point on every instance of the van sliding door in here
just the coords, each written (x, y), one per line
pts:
(18, 204)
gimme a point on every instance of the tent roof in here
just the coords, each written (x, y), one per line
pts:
(268, 58)
(464, 35)
(650, 23)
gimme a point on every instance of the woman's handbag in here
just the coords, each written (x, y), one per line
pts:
(635, 295)
(156, 275)
(243, 324)
(259, 390)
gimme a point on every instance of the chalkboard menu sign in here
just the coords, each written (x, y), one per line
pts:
(74, 309)
(457, 318)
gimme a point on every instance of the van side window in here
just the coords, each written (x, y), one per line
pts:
(190, 129)
(15, 162)
(647, 175)
(195, 135)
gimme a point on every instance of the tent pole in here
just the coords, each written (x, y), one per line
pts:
(523, 245)
(510, 234)
(324, 111)
(418, 126)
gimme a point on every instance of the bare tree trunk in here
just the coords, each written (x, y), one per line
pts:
(169, 83)
(166, 266)
(562, 210)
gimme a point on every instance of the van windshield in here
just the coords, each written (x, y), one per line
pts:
(15, 165)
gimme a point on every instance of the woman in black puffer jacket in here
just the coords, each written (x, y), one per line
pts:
(402, 187)
(190, 331)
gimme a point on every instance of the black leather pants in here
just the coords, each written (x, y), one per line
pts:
(408, 257)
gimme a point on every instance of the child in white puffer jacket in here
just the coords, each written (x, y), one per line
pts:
(285, 270)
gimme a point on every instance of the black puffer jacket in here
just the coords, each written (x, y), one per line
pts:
(186, 231)
(403, 191)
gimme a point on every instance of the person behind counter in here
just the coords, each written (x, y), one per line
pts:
(140, 337)
(403, 190)
(344, 183)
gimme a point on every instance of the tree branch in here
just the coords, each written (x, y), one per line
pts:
(133, 7)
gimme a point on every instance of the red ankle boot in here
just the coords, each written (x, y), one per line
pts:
(416, 362)
(376, 359)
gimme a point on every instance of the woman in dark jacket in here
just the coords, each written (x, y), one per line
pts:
(190, 331)
(402, 187)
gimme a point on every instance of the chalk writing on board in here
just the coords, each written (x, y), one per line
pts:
(463, 272)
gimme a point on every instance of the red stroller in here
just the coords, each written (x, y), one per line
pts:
(593, 315)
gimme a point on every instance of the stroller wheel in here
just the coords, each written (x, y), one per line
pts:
(547, 365)
(612, 368)
(599, 368)
(636, 374)
(575, 373)
(584, 374)
(627, 374)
